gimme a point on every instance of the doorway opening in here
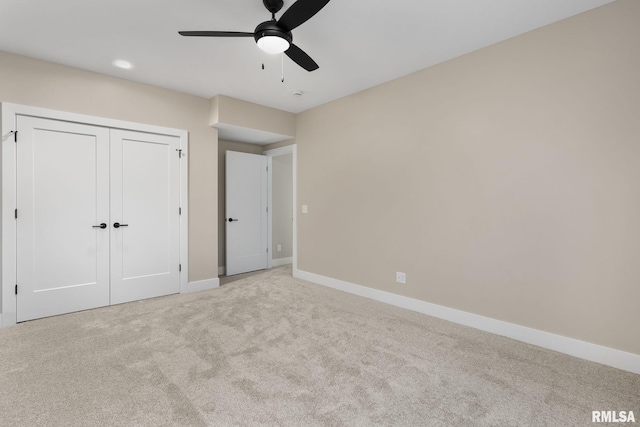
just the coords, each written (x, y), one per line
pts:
(280, 248)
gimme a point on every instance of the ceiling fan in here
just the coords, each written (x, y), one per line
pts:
(275, 36)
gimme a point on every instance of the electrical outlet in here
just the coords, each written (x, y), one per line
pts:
(305, 209)
(401, 277)
(279, 248)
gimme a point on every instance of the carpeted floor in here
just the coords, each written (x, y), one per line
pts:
(273, 350)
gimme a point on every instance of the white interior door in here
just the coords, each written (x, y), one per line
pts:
(62, 195)
(145, 221)
(246, 212)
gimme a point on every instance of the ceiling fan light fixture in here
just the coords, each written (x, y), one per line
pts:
(273, 44)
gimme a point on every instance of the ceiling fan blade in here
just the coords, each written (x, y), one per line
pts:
(214, 34)
(300, 12)
(298, 56)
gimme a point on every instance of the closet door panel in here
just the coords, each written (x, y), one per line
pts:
(145, 202)
(62, 193)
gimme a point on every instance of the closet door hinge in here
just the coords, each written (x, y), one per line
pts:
(16, 213)
(179, 211)
(179, 267)
(179, 150)
(16, 289)
(11, 132)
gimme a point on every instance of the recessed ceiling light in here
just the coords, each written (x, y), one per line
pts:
(121, 63)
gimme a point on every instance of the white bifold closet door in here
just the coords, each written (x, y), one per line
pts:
(74, 183)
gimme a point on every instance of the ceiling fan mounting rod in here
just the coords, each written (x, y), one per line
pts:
(273, 6)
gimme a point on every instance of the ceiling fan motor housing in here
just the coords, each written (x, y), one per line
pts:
(270, 28)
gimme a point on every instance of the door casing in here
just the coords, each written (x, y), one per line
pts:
(281, 151)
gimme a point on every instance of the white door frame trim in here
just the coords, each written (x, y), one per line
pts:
(281, 151)
(8, 119)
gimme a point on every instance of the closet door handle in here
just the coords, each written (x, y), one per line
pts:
(118, 225)
(233, 219)
(103, 225)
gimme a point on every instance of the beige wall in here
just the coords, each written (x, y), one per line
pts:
(504, 183)
(42, 84)
(232, 111)
(223, 146)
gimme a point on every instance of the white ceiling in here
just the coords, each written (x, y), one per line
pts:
(357, 43)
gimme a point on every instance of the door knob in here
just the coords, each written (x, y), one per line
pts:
(233, 219)
(103, 225)
(118, 225)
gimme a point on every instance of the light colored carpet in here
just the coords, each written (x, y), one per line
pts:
(273, 350)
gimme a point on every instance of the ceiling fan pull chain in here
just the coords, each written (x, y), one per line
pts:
(282, 58)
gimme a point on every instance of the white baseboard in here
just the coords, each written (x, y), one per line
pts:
(573, 347)
(281, 261)
(221, 271)
(201, 285)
